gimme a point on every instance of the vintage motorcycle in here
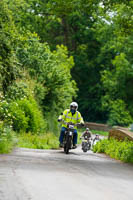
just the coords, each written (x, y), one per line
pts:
(68, 137)
(86, 144)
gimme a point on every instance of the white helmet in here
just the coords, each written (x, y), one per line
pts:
(75, 105)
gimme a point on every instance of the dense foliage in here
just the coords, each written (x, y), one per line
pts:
(98, 34)
(34, 81)
(53, 52)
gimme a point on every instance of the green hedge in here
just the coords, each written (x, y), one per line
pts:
(120, 150)
(23, 114)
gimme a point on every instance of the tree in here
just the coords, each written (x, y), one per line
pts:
(54, 88)
(9, 65)
(117, 77)
(98, 34)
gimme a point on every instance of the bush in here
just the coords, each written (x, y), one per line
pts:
(18, 90)
(36, 123)
(24, 115)
(7, 138)
(120, 150)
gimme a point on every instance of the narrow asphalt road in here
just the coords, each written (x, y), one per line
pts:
(51, 175)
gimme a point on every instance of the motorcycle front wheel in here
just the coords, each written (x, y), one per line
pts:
(68, 145)
(85, 150)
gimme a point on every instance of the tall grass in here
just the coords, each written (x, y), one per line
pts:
(120, 150)
(7, 139)
(47, 141)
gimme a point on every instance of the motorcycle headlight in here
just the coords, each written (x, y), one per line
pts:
(70, 133)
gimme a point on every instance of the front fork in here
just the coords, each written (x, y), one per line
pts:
(68, 138)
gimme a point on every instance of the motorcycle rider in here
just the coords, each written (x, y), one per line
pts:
(97, 138)
(70, 116)
(86, 134)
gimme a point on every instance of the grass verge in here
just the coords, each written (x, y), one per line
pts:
(47, 141)
(7, 140)
(104, 133)
(120, 150)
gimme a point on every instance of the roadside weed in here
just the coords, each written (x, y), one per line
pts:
(120, 150)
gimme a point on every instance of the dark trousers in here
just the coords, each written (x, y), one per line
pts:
(75, 135)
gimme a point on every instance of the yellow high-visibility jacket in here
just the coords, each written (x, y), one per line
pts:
(68, 117)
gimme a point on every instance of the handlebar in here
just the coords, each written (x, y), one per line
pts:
(70, 123)
(77, 124)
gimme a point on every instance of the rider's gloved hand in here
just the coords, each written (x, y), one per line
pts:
(70, 123)
(82, 124)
